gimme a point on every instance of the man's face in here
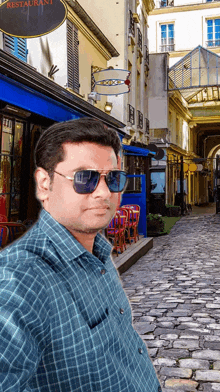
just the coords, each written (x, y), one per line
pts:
(86, 213)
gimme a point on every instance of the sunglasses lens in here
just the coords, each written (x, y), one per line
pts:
(116, 180)
(85, 181)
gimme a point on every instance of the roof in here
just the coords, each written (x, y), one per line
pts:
(197, 76)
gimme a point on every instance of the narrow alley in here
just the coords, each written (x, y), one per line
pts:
(174, 291)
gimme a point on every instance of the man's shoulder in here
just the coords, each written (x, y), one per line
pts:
(28, 247)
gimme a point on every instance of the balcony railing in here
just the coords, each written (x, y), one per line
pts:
(139, 119)
(131, 24)
(213, 43)
(131, 114)
(167, 48)
(146, 57)
(147, 125)
(139, 39)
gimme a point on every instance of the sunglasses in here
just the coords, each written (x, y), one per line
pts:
(86, 181)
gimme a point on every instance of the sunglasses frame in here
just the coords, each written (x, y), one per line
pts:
(100, 175)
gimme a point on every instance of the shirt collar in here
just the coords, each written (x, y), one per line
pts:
(66, 244)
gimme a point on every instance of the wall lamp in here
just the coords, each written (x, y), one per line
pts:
(108, 107)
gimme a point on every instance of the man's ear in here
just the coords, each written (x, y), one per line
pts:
(43, 184)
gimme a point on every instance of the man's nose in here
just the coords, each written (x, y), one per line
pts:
(102, 189)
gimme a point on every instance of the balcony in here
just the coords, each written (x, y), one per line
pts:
(139, 38)
(131, 24)
(212, 43)
(167, 48)
(131, 114)
(146, 59)
(139, 119)
(147, 126)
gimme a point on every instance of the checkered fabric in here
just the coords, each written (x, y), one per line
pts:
(65, 321)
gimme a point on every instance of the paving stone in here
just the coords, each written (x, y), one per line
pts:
(152, 352)
(216, 365)
(164, 361)
(169, 336)
(174, 353)
(212, 355)
(213, 306)
(176, 372)
(181, 385)
(215, 387)
(212, 338)
(185, 336)
(212, 345)
(208, 375)
(143, 328)
(175, 298)
(186, 343)
(157, 343)
(194, 363)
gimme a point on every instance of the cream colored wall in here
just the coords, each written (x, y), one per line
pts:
(88, 56)
(57, 45)
(109, 17)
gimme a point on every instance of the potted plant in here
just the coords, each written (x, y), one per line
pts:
(155, 224)
(172, 210)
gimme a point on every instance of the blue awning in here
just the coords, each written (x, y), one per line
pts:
(138, 151)
(20, 95)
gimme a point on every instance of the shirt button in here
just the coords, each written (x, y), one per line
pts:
(140, 350)
(103, 271)
(121, 311)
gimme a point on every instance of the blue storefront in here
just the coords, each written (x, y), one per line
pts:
(138, 188)
(29, 103)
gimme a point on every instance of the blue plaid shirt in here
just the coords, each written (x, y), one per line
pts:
(65, 320)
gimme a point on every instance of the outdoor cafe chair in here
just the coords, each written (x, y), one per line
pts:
(15, 230)
(4, 234)
(133, 220)
(116, 232)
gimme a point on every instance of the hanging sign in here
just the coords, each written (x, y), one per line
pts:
(112, 81)
(31, 18)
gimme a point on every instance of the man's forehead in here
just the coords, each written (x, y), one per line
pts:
(78, 147)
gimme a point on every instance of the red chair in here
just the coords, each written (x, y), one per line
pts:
(15, 229)
(115, 232)
(133, 220)
(3, 218)
(4, 233)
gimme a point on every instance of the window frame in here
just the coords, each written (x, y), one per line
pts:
(167, 43)
(215, 33)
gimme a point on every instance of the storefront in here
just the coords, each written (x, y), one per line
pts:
(29, 103)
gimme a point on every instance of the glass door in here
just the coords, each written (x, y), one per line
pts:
(10, 167)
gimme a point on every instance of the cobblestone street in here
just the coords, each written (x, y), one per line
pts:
(174, 291)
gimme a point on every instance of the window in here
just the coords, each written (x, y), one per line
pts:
(15, 46)
(168, 3)
(72, 57)
(167, 37)
(158, 181)
(10, 161)
(213, 32)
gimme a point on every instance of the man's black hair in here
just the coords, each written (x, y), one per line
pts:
(49, 149)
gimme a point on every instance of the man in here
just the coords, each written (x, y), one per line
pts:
(65, 321)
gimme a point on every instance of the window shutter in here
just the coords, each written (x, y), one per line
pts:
(72, 57)
(15, 46)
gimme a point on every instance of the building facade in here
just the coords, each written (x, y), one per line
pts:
(186, 34)
(42, 81)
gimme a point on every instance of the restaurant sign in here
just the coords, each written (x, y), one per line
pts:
(31, 18)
